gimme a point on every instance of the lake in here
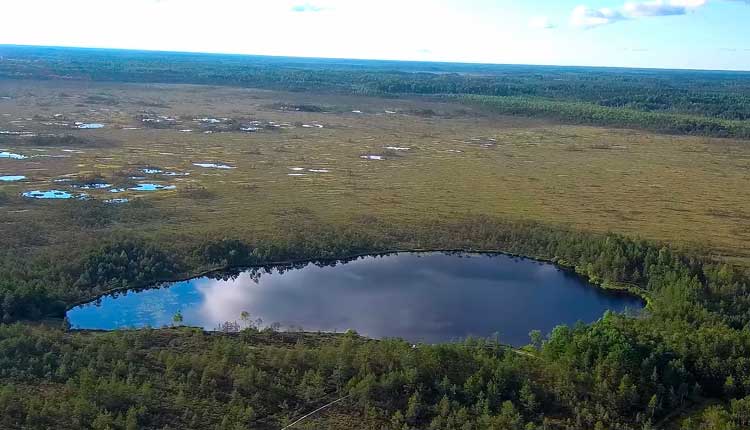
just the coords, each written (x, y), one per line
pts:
(422, 297)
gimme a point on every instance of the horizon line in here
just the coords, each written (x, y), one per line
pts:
(165, 51)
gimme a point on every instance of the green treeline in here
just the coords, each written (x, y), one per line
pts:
(32, 288)
(43, 285)
(593, 114)
(623, 372)
(706, 103)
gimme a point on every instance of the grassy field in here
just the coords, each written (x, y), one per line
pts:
(460, 161)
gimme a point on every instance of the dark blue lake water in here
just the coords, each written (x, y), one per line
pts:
(421, 297)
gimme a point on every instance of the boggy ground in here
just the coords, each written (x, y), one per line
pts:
(300, 160)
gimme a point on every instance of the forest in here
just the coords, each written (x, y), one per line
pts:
(622, 372)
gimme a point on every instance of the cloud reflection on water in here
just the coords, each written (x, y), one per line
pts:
(421, 297)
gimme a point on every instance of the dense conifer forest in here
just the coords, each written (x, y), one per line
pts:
(623, 372)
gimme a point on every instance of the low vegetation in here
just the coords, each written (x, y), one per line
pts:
(692, 102)
(60, 140)
(661, 216)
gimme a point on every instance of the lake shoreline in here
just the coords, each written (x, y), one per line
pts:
(559, 264)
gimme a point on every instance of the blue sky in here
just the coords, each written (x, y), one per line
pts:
(700, 34)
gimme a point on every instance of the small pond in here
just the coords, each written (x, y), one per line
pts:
(6, 154)
(152, 187)
(93, 186)
(421, 297)
(88, 126)
(12, 178)
(116, 201)
(52, 194)
(213, 166)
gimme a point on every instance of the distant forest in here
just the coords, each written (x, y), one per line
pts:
(704, 103)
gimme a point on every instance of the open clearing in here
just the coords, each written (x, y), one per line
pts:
(240, 162)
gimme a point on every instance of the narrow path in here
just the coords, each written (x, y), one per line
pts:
(518, 351)
(316, 411)
(524, 353)
(693, 406)
(302, 418)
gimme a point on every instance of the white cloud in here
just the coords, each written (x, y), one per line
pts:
(662, 7)
(306, 7)
(586, 17)
(541, 23)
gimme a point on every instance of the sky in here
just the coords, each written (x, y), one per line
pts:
(692, 34)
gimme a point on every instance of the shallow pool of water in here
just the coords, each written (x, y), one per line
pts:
(152, 187)
(428, 297)
(52, 194)
(89, 126)
(5, 154)
(94, 186)
(213, 166)
(12, 178)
